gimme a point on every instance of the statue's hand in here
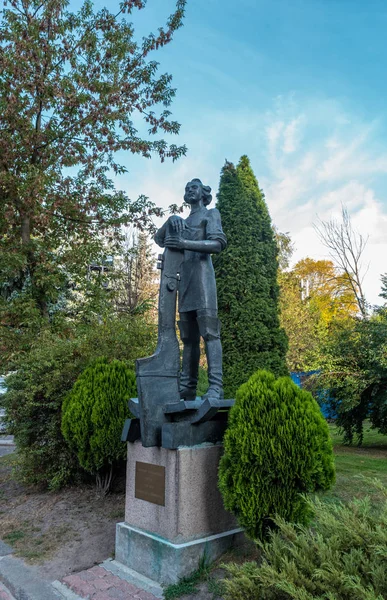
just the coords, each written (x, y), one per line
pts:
(177, 223)
(175, 241)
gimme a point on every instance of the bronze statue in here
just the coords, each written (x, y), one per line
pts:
(199, 236)
(167, 412)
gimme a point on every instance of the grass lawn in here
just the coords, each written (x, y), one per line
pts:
(354, 463)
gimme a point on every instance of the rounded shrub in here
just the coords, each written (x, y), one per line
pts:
(276, 448)
(93, 416)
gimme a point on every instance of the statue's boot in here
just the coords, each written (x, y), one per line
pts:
(209, 328)
(190, 336)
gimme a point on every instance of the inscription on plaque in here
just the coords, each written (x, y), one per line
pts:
(150, 483)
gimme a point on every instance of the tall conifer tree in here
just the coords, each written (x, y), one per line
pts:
(246, 273)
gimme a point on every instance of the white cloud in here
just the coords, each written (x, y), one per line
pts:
(310, 158)
(274, 132)
(292, 136)
(313, 180)
(352, 159)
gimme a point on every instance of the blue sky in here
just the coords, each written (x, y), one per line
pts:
(299, 86)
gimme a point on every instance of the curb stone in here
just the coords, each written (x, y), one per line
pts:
(5, 593)
(5, 549)
(65, 592)
(22, 581)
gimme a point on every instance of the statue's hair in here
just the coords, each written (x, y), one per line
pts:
(206, 191)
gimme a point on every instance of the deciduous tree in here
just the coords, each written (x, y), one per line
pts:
(301, 321)
(327, 288)
(354, 369)
(72, 86)
(346, 248)
(136, 285)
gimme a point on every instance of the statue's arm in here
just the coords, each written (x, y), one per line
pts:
(175, 225)
(207, 246)
(160, 235)
(215, 242)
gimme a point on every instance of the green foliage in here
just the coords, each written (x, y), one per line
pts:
(33, 404)
(246, 273)
(276, 448)
(354, 369)
(383, 293)
(285, 248)
(313, 295)
(93, 415)
(46, 374)
(343, 556)
(202, 382)
(301, 321)
(73, 86)
(188, 585)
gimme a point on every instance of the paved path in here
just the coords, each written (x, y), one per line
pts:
(108, 581)
(98, 583)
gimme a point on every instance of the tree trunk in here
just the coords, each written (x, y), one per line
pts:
(104, 480)
(26, 229)
(38, 293)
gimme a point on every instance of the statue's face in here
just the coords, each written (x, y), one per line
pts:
(193, 192)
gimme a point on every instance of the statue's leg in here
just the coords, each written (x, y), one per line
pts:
(190, 336)
(209, 328)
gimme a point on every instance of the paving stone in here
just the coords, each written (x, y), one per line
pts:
(86, 575)
(98, 583)
(98, 571)
(117, 594)
(103, 584)
(125, 586)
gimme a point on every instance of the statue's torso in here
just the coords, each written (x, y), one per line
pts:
(197, 288)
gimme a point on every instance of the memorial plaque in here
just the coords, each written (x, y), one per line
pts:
(150, 483)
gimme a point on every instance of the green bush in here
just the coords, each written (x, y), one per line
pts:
(276, 448)
(33, 410)
(202, 382)
(93, 415)
(42, 379)
(354, 370)
(342, 557)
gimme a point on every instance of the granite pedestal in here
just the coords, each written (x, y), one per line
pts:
(166, 542)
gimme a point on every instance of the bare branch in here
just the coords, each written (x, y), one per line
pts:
(346, 248)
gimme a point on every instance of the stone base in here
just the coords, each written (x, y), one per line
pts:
(165, 538)
(193, 504)
(164, 561)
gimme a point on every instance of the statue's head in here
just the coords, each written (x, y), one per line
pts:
(196, 191)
